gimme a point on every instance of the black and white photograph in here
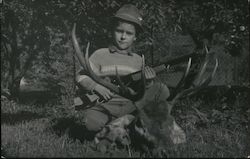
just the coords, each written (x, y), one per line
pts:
(125, 78)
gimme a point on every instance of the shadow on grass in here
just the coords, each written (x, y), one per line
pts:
(37, 97)
(229, 93)
(72, 128)
(12, 119)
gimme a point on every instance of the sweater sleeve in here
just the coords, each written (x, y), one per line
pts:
(86, 82)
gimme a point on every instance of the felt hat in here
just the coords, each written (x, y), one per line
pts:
(130, 13)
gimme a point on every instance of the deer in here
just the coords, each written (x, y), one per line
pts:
(167, 127)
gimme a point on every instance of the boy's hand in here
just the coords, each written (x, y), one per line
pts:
(105, 93)
(149, 73)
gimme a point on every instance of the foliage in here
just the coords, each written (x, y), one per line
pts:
(36, 34)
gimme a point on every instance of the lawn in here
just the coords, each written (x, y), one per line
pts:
(214, 128)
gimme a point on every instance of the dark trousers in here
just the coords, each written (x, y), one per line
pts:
(97, 116)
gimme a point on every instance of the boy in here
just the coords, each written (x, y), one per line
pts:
(127, 24)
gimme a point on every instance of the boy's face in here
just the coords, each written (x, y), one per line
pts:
(124, 35)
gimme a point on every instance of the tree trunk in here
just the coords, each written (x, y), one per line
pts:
(15, 89)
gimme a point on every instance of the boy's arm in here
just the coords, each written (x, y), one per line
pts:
(89, 85)
(85, 82)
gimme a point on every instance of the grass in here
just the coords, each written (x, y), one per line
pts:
(29, 139)
(33, 131)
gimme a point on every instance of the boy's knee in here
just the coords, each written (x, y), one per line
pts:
(95, 120)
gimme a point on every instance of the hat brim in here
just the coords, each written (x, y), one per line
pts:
(139, 28)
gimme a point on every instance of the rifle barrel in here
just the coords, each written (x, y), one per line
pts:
(162, 66)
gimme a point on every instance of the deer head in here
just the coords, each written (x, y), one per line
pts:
(121, 89)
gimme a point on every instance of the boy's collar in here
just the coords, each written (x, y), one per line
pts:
(114, 49)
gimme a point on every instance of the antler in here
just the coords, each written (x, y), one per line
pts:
(199, 81)
(121, 89)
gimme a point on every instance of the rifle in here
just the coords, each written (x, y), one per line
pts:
(135, 76)
(162, 66)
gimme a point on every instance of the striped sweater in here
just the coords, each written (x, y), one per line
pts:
(104, 62)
